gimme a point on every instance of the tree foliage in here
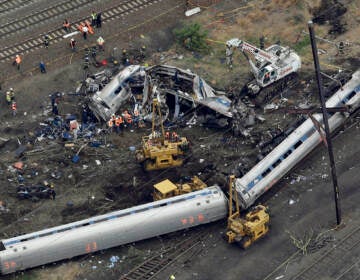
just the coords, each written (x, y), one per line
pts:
(192, 37)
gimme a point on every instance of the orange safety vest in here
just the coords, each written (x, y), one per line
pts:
(66, 24)
(13, 106)
(18, 59)
(88, 25)
(167, 134)
(110, 123)
(119, 121)
(128, 118)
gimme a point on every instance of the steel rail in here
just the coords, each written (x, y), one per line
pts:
(154, 265)
(11, 5)
(332, 256)
(42, 16)
(56, 35)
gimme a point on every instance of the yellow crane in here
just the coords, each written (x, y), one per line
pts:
(246, 230)
(159, 151)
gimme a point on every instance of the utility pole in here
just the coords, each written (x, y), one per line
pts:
(326, 123)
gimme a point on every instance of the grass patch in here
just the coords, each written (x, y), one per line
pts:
(301, 46)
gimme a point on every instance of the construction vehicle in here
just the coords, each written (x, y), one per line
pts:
(160, 150)
(274, 68)
(245, 231)
(166, 188)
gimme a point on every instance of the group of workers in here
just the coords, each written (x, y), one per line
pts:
(95, 22)
(126, 119)
(10, 100)
(173, 136)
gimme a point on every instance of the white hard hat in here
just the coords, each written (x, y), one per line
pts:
(11, 88)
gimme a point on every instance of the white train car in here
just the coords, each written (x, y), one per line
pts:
(112, 229)
(296, 146)
(107, 102)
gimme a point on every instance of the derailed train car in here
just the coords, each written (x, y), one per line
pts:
(112, 229)
(296, 146)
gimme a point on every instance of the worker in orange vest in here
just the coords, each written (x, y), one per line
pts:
(13, 108)
(167, 135)
(174, 136)
(66, 26)
(17, 61)
(119, 123)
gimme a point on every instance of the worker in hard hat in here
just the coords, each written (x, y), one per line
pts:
(142, 52)
(10, 96)
(100, 41)
(172, 277)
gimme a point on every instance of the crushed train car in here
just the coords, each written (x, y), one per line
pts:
(174, 87)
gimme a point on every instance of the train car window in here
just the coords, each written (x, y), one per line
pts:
(276, 163)
(2, 247)
(207, 201)
(215, 192)
(351, 95)
(24, 248)
(118, 90)
(15, 250)
(287, 154)
(267, 171)
(297, 145)
(198, 204)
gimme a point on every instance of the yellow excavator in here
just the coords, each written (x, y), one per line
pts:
(160, 150)
(245, 231)
(166, 188)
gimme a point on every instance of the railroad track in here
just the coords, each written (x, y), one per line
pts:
(11, 5)
(60, 9)
(326, 264)
(152, 266)
(56, 35)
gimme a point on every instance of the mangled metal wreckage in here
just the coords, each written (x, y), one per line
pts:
(182, 94)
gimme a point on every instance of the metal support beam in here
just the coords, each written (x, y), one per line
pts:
(326, 123)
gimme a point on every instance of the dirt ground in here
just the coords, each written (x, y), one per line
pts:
(300, 204)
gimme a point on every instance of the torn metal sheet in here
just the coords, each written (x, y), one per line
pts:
(108, 101)
(198, 91)
(175, 88)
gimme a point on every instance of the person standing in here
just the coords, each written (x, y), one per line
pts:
(93, 18)
(8, 97)
(100, 42)
(42, 67)
(118, 124)
(98, 20)
(55, 109)
(73, 44)
(66, 26)
(46, 41)
(13, 108)
(17, 61)
(85, 31)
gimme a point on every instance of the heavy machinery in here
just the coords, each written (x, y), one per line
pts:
(160, 150)
(246, 230)
(166, 188)
(273, 68)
